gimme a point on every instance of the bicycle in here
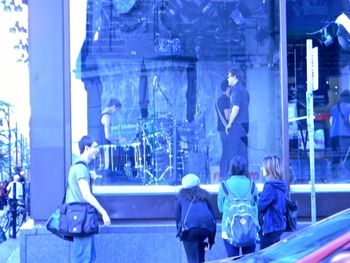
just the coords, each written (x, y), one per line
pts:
(6, 220)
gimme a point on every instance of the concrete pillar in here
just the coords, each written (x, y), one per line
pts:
(50, 132)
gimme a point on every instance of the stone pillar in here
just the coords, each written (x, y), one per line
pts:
(50, 132)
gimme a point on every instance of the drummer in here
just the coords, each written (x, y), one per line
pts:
(112, 106)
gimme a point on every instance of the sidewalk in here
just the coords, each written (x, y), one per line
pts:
(9, 250)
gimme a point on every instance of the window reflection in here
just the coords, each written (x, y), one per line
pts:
(330, 158)
(165, 62)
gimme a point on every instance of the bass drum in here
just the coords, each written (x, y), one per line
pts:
(115, 158)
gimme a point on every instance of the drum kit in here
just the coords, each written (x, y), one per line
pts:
(155, 156)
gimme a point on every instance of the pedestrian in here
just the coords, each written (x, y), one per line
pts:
(238, 191)
(195, 220)
(15, 190)
(272, 202)
(340, 136)
(79, 190)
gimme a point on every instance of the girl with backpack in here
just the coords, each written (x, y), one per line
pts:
(195, 220)
(272, 203)
(238, 226)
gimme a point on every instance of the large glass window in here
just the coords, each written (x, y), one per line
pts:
(327, 24)
(153, 72)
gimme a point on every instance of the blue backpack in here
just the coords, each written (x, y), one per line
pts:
(241, 218)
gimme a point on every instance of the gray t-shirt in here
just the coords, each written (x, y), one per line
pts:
(76, 172)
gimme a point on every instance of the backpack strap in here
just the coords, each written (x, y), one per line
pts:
(228, 192)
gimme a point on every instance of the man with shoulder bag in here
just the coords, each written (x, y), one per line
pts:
(79, 191)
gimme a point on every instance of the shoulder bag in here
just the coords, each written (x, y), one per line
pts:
(73, 219)
(291, 215)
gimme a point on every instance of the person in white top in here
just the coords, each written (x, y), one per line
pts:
(15, 188)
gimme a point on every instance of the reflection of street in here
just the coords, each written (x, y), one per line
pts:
(324, 171)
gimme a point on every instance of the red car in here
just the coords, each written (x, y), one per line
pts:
(325, 241)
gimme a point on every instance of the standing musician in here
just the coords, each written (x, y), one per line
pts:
(238, 125)
(223, 113)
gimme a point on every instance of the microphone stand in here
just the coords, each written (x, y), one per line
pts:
(172, 146)
(154, 161)
(165, 96)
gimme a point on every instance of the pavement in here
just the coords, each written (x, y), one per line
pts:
(9, 250)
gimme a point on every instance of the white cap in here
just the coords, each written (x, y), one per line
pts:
(190, 180)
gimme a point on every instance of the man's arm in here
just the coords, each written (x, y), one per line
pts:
(233, 115)
(106, 121)
(88, 197)
(227, 114)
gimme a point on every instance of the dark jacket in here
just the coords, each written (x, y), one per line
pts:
(272, 205)
(200, 215)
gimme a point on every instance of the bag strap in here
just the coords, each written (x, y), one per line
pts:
(228, 192)
(188, 209)
(65, 191)
(224, 122)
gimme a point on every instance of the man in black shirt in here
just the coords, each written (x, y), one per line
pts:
(238, 125)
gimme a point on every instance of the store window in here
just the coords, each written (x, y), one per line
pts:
(152, 73)
(327, 24)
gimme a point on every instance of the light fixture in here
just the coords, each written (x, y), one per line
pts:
(343, 32)
(240, 13)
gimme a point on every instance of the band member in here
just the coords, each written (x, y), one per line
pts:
(223, 114)
(106, 138)
(238, 124)
(112, 106)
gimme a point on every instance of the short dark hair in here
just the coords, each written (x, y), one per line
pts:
(114, 102)
(236, 72)
(239, 166)
(85, 141)
(224, 85)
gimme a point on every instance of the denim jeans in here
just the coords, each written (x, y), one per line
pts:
(84, 250)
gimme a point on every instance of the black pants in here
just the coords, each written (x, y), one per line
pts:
(269, 239)
(194, 245)
(233, 251)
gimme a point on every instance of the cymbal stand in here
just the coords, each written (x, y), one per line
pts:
(172, 146)
(170, 167)
(143, 158)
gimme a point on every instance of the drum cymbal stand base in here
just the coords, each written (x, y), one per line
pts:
(161, 177)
